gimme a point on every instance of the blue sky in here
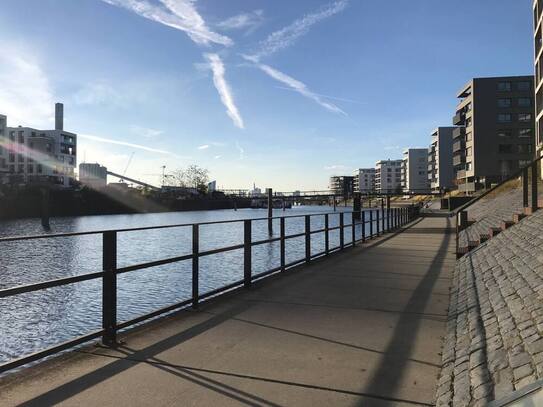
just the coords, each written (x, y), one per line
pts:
(278, 92)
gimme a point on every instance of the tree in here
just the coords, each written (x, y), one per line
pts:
(191, 177)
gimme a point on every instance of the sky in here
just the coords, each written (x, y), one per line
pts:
(280, 93)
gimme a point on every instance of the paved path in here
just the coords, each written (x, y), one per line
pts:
(363, 327)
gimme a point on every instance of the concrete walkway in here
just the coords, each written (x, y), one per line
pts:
(363, 327)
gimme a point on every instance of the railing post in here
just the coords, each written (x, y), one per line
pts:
(525, 187)
(270, 211)
(377, 220)
(247, 253)
(307, 238)
(283, 243)
(534, 186)
(388, 212)
(363, 226)
(353, 225)
(457, 234)
(463, 221)
(195, 265)
(382, 215)
(341, 229)
(109, 288)
(371, 224)
(326, 234)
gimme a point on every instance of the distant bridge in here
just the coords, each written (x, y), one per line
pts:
(134, 181)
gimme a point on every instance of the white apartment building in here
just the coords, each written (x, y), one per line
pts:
(364, 180)
(41, 155)
(414, 173)
(388, 176)
(93, 175)
(440, 161)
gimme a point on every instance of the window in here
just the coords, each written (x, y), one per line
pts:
(504, 102)
(39, 169)
(468, 166)
(20, 158)
(504, 86)
(12, 135)
(524, 86)
(12, 169)
(504, 118)
(468, 151)
(468, 136)
(524, 148)
(505, 148)
(523, 163)
(525, 133)
(30, 168)
(21, 169)
(11, 157)
(468, 121)
(525, 102)
(504, 133)
(21, 137)
(524, 117)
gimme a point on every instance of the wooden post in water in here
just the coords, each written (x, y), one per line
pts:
(357, 202)
(270, 210)
(334, 203)
(45, 206)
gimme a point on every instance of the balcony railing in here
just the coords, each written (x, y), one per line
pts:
(459, 159)
(459, 145)
(459, 119)
(458, 132)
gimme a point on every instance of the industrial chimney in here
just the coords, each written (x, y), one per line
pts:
(59, 116)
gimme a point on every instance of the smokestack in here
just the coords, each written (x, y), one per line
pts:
(59, 116)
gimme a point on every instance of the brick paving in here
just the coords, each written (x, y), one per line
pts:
(489, 213)
(493, 344)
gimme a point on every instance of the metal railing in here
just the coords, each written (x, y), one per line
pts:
(380, 220)
(529, 177)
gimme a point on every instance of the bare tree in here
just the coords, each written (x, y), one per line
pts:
(191, 177)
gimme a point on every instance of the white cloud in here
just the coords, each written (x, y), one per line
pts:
(241, 151)
(285, 37)
(298, 86)
(145, 131)
(217, 157)
(96, 93)
(26, 96)
(178, 14)
(336, 167)
(217, 67)
(124, 143)
(243, 21)
(327, 96)
(203, 147)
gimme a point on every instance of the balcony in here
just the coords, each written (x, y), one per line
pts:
(459, 159)
(459, 145)
(459, 119)
(458, 132)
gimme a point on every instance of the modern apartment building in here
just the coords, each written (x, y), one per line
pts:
(495, 136)
(364, 180)
(388, 176)
(342, 185)
(538, 63)
(414, 171)
(440, 162)
(93, 175)
(41, 155)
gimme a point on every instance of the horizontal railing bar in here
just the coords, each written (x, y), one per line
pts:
(12, 364)
(153, 314)
(219, 290)
(259, 242)
(313, 232)
(295, 235)
(155, 263)
(180, 225)
(265, 273)
(295, 263)
(220, 250)
(8, 292)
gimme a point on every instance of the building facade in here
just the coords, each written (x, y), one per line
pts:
(3, 149)
(414, 171)
(93, 175)
(41, 155)
(364, 180)
(388, 176)
(496, 130)
(440, 162)
(538, 65)
(342, 185)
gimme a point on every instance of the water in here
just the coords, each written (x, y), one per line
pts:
(33, 321)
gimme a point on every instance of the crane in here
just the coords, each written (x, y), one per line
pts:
(127, 165)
